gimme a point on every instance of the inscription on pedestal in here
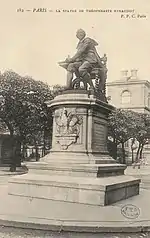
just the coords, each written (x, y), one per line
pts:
(99, 136)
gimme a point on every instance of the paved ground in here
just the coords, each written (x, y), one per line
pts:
(143, 173)
(19, 233)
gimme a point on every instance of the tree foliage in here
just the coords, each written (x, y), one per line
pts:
(23, 108)
(121, 127)
(127, 124)
(141, 132)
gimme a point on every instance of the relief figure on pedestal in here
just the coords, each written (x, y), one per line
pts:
(67, 127)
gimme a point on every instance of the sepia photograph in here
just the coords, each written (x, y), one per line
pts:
(75, 119)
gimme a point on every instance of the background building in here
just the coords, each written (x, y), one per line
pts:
(130, 92)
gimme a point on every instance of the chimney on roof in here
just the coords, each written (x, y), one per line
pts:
(134, 73)
(124, 74)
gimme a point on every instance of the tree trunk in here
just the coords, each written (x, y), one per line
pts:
(44, 144)
(141, 150)
(36, 150)
(123, 153)
(137, 155)
(132, 156)
(115, 150)
(13, 156)
(36, 153)
(24, 150)
(140, 155)
(132, 150)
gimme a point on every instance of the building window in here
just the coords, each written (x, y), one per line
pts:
(125, 97)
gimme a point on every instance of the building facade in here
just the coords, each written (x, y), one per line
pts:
(131, 93)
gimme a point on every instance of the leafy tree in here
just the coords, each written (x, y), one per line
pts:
(121, 126)
(127, 124)
(23, 108)
(57, 89)
(141, 132)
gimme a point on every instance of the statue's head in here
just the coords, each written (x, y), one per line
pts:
(80, 34)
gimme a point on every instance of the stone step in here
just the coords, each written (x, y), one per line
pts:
(92, 191)
(81, 170)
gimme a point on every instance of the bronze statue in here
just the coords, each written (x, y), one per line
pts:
(86, 64)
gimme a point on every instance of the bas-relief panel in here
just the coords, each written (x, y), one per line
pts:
(67, 127)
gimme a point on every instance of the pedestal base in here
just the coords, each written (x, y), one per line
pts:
(92, 191)
(76, 170)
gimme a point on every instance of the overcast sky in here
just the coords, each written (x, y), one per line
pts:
(33, 43)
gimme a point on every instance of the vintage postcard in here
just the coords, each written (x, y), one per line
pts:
(75, 118)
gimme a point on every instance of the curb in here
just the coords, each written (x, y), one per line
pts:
(11, 173)
(73, 228)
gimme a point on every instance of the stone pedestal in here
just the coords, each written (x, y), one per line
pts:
(78, 168)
